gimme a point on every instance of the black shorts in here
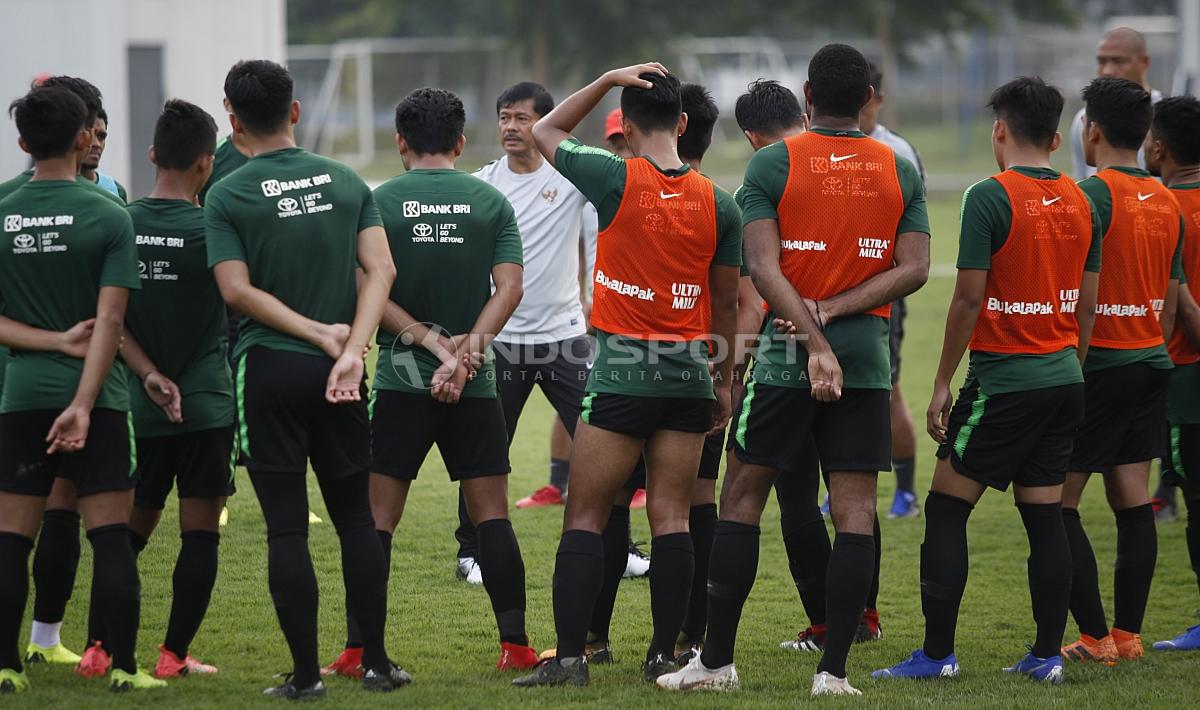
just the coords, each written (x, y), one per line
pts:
(640, 417)
(1181, 465)
(772, 427)
(1021, 438)
(284, 419)
(200, 462)
(469, 435)
(710, 459)
(896, 335)
(1124, 418)
(106, 462)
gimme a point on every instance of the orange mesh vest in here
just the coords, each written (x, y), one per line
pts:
(1033, 285)
(652, 261)
(838, 214)
(1181, 349)
(1138, 248)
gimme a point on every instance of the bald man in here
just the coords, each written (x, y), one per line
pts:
(1122, 54)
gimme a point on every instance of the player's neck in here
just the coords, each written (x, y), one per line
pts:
(525, 163)
(662, 148)
(239, 144)
(837, 124)
(89, 173)
(258, 145)
(64, 167)
(1026, 157)
(693, 163)
(174, 185)
(1181, 175)
(431, 161)
(1110, 157)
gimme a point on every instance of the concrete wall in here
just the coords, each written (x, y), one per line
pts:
(91, 38)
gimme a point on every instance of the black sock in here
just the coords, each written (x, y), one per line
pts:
(385, 542)
(55, 562)
(615, 541)
(559, 470)
(846, 586)
(701, 521)
(96, 630)
(138, 543)
(503, 573)
(465, 533)
(364, 570)
(353, 633)
(192, 584)
(1049, 574)
(1193, 533)
(672, 563)
(1137, 552)
(807, 544)
(943, 570)
(905, 473)
(118, 592)
(578, 573)
(14, 569)
(732, 566)
(873, 592)
(1086, 605)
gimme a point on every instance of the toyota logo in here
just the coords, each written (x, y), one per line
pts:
(23, 241)
(141, 267)
(422, 230)
(287, 204)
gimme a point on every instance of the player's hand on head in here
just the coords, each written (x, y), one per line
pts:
(937, 417)
(824, 376)
(632, 75)
(165, 393)
(75, 341)
(69, 431)
(345, 379)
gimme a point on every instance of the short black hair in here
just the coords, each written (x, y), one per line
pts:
(1175, 122)
(840, 78)
(48, 119)
(102, 115)
(1030, 107)
(656, 108)
(430, 120)
(1121, 108)
(84, 89)
(183, 133)
(768, 107)
(543, 102)
(260, 93)
(702, 113)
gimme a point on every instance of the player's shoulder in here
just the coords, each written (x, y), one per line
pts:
(488, 171)
(573, 146)
(989, 190)
(725, 200)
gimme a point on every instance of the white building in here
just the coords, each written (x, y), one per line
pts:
(138, 53)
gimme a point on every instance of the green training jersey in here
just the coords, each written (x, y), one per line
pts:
(986, 221)
(859, 341)
(626, 365)
(10, 186)
(294, 218)
(446, 230)
(226, 159)
(1105, 358)
(178, 318)
(65, 244)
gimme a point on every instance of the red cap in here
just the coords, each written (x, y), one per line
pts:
(612, 124)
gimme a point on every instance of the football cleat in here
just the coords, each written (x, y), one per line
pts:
(1129, 646)
(659, 665)
(1042, 670)
(637, 564)
(348, 664)
(1088, 648)
(918, 665)
(810, 639)
(904, 505)
(385, 681)
(468, 571)
(12, 681)
(825, 506)
(568, 671)
(544, 496)
(598, 653)
(696, 676)
(122, 682)
(94, 663)
(1189, 640)
(290, 691)
(514, 657)
(825, 683)
(638, 500)
(57, 653)
(171, 666)
(869, 628)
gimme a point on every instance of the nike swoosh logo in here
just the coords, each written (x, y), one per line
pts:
(1047, 203)
(839, 158)
(665, 196)
(1143, 198)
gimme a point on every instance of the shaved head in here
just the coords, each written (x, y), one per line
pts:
(1122, 55)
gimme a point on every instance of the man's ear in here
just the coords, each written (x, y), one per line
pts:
(1057, 141)
(294, 115)
(151, 155)
(24, 146)
(235, 124)
(83, 140)
(460, 144)
(681, 127)
(1091, 132)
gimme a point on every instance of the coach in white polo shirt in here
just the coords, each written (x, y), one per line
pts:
(545, 341)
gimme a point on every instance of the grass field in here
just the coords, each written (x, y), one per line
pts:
(442, 630)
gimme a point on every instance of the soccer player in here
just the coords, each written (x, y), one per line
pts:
(436, 382)
(62, 416)
(666, 282)
(182, 402)
(1172, 152)
(829, 202)
(1121, 54)
(1022, 401)
(284, 234)
(231, 154)
(91, 165)
(1127, 369)
(904, 437)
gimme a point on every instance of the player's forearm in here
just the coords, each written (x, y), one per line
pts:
(749, 320)
(905, 277)
(960, 323)
(1187, 316)
(761, 246)
(1085, 311)
(135, 357)
(372, 298)
(397, 320)
(725, 333)
(260, 306)
(1166, 319)
(556, 126)
(496, 312)
(102, 348)
(21, 336)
